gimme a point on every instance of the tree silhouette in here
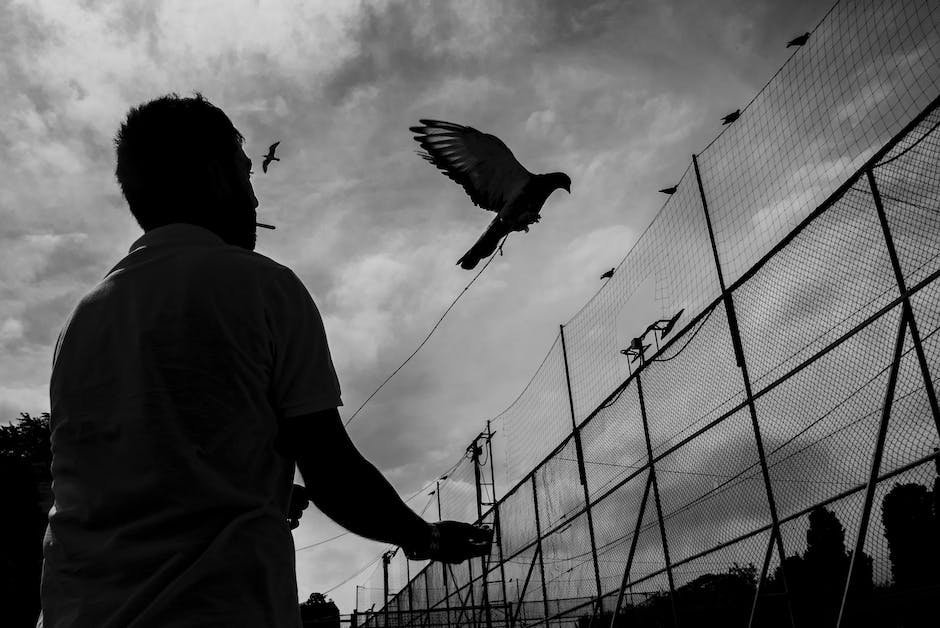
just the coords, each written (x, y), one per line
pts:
(319, 611)
(24, 473)
(816, 579)
(910, 528)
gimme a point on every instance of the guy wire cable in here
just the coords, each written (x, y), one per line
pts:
(428, 337)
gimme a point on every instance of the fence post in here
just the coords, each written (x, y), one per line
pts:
(497, 527)
(538, 535)
(411, 603)
(742, 364)
(659, 507)
(437, 492)
(911, 319)
(386, 558)
(630, 555)
(427, 591)
(476, 451)
(446, 592)
(583, 475)
(876, 460)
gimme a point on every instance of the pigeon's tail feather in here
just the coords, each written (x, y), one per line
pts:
(486, 245)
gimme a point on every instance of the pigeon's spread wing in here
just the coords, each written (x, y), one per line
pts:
(479, 162)
(273, 148)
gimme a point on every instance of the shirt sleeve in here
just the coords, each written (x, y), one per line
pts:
(303, 379)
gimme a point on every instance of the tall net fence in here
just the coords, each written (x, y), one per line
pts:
(783, 435)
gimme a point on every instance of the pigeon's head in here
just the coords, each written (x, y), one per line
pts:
(561, 181)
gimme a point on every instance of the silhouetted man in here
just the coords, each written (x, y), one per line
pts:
(185, 386)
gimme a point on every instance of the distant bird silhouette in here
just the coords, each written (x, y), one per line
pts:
(270, 157)
(798, 41)
(608, 274)
(671, 190)
(491, 176)
(731, 117)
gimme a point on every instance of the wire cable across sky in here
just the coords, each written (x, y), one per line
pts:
(426, 338)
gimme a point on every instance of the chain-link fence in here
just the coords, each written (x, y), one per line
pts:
(737, 468)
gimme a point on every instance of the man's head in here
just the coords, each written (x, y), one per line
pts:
(181, 160)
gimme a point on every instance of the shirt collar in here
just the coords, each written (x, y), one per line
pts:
(176, 233)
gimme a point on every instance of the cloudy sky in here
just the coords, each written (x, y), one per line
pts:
(616, 94)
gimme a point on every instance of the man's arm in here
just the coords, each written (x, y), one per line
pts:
(346, 486)
(352, 492)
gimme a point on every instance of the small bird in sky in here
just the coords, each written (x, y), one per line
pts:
(270, 157)
(731, 117)
(671, 190)
(798, 41)
(608, 274)
(489, 173)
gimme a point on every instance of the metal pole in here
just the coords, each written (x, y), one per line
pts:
(633, 542)
(763, 575)
(659, 507)
(582, 474)
(427, 592)
(911, 321)
(471, 596)
(411, 604)
(386, 558)
(875, 461)
(538, 535)
(742, 364)
(478, 480)
(446, 592)
(437, 491)
(497, 526)
(525, 586)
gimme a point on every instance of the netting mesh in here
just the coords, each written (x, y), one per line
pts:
(539, 419)
(811, 193)
(869, 68)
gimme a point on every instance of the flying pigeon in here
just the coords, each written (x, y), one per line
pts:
(608, 274)
(270, 157)
(491, 176)
(671, 190)
(731, 117)
(798, 41)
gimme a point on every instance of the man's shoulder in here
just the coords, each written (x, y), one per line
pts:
(246, 263)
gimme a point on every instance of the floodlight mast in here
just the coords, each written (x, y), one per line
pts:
(636, 350)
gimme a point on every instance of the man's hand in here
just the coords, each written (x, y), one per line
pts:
(299, 501)
(452, 542)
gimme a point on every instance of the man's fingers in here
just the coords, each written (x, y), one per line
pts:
(481, 534)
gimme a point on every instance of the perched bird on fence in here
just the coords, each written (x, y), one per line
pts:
(731, 117)
(608, 274)
(798, 41)
(671, 190)
(270, 157)
(491, 176)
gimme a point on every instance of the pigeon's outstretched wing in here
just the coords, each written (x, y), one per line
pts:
(273, 148)
(479, 162)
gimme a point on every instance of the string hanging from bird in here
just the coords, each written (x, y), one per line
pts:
(491, 176)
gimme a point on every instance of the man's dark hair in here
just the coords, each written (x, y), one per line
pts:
(163, 150)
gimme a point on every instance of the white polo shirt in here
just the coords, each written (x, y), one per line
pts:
(170, 496)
